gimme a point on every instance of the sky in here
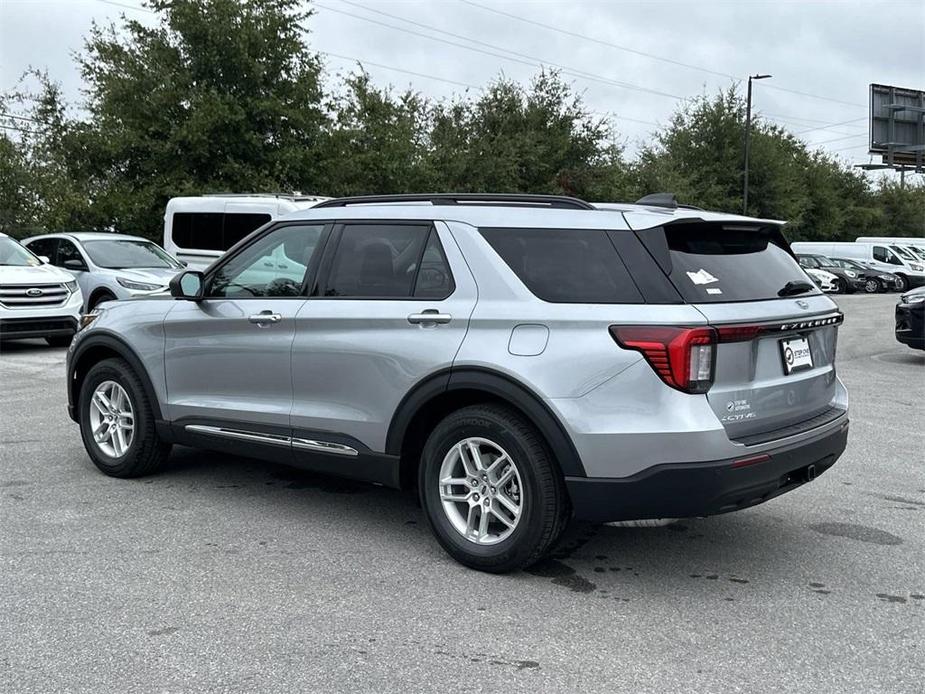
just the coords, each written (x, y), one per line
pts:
(636, 61)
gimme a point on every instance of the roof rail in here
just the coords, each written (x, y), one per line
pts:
(284, 196)
(667, 200)
(487, 199)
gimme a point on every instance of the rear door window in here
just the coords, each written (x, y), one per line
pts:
(378, 261)
(565, 265)
(722, 263)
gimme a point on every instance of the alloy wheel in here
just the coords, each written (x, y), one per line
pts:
(871, 286)
(112, 419)
(481, 491)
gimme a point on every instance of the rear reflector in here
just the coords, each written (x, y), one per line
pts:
(751, 461)
(684, 358)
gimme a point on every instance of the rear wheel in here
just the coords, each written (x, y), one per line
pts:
(871, 286)
(117, 422)
(491, 492)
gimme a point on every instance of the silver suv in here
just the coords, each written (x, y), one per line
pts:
(521, 360)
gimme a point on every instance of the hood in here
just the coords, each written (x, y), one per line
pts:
(821, 275)
(154, 275)
(34, 274)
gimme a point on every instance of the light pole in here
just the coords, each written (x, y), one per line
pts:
(748, 127)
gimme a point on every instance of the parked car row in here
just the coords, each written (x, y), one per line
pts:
(902, 258)
(846, 276)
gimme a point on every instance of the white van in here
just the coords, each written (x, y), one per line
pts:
(916, 245)
(197, 230)
(899, 260)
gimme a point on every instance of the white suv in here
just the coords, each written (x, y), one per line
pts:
(36, 299)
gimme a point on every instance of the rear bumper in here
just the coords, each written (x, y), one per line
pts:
(685, 490)
(910, 325)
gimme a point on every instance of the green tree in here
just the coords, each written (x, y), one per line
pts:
(220, 95)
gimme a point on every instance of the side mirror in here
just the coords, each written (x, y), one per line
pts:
(45, 259)
(188, 285)
(75, 264)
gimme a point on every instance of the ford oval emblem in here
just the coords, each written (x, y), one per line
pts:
(35, 291)
(803, 304)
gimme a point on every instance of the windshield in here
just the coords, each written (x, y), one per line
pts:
(11, 253)
(128, 253)
(825, 261)
(902, 253)
(917, 250)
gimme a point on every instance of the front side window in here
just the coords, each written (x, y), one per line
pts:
(274, 265)
(127, 253)
(13, 254)
(44, 247)
(68, 251)
(565, 265)
(380, 261)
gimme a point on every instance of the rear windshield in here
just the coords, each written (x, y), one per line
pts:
(566, 265)
(717, 263)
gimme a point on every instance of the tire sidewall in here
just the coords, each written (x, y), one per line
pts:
(872, 286)
(112, 371)
(527, 532)
(903, 283)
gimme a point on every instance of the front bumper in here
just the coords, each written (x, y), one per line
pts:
(910, 325)
(50, 326)
(685, 490)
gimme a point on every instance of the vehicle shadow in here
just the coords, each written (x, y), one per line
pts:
(27, 347)
(586, 558)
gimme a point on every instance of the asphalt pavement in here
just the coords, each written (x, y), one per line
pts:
(228, 574)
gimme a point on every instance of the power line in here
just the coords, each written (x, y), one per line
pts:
(837, 139)
(127, 7)
(610, 114)
(600, 41)
(846, 122)
(20, 130)
(537, 62)
(651, 55)
(17, 117)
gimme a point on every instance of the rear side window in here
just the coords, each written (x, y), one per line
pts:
(44, 247)
(717, 262)
(565, 265)
(213, 231)
(377, 261)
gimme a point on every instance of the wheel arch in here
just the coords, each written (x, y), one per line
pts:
(94, 349)
(441, 393)
(97, 293)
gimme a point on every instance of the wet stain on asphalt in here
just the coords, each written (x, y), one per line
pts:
(562, 575)
(818, 587)
(861, 533)
(14, 483)
(886, 597)
(166, 631)
(902, 500)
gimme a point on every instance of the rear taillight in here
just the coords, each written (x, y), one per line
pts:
(684, 358)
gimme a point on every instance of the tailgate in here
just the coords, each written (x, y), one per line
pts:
(764, 379)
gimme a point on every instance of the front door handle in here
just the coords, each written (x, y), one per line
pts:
(265, 317)
(430, 316)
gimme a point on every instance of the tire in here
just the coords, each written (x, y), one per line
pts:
(902, 283)
(144, 453)
(872, 286)
(59, 340)
(541, 494)
(98, 299)
(841, 287)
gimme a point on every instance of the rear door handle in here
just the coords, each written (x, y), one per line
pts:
(429, 316)
(265, 317)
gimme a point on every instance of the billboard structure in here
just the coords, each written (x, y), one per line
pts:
(897, 128)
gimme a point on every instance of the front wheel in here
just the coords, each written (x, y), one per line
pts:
(902, 283)
(871, 286)
(117, 422)
(491, 492)
(841, 287)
